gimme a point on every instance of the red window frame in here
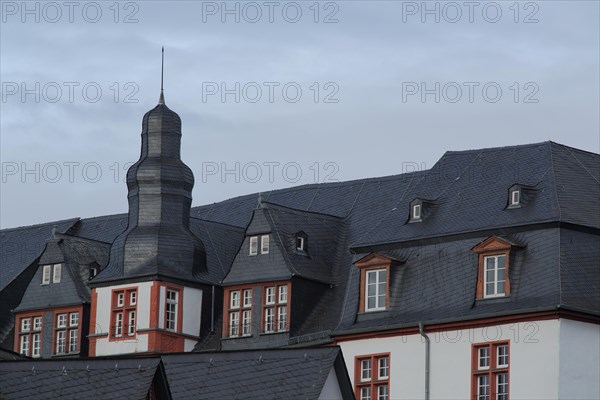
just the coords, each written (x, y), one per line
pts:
(68, 330)
(29, 333)
(492, 246)
(492, 371)
(125, 310)
(240, 309)
(375, 380)
(275, 306)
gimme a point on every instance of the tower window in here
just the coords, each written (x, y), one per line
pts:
(416, 211)
(515, 197)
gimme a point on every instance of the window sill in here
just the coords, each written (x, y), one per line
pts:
(492, 299)
(272, 333)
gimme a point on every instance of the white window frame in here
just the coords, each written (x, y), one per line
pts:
(270, 320)
(481, 357)
(498, 356)
(495, 282)
(133, 298)
(46, 272)
(73, 340)
(363, 363)
(174, 303)
(234, 324)
(383, 396)
(26, 325)
(377, 307)
(300, 246)
(282, 319)
(270, 295)
(61, 320)
(24, 345)
(365, 393)
(480, 395)
(119, 324)
(416, 211)
(253, 246)
(385, 367)
(131, 323)
(246, 322)
(247, 297)
(264, 244)
(282, 294)
(61, 342)
(120, 299)
(74, 319)
(36, 347)
(515, 197)
(57, 272)
(234, 299)
(37, 323)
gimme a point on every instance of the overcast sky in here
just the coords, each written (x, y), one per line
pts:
(277, 94)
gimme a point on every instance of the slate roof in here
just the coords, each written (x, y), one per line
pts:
(77, 379)
(21, 246)
(262, 374)
(77, 255)
(468, 193)
(257, 374)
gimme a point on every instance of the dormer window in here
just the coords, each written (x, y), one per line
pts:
(514, 197)
(300, 243)
(375, 272)
(57, 273)
(264, 244)
(493, 268)
(93, 272)
(253, 245)
(46, 274)
(416, 211)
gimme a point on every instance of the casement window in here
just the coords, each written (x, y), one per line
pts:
(493, 270)
(275, 309)
(123, 313)
(515, 197)
(29, 335)
(253, 245)
(37, 344)
(46, 270)
(264, 244)
(376, 288)
(372, 377)
(238, 310)
(490, 371)
(57, 273)
(67, 332)
(416, 211)
(494, 278)
(171, 309)
(375, 277)
(24, 348)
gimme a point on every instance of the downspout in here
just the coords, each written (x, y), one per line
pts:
(212, 310)
(427, 345)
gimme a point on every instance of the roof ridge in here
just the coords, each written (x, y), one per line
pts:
(298, 211)
(581, 164)
(537, 144)
(216, 222)
(75, 219)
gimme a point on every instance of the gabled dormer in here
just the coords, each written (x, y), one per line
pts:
(275, 277)
(52, 318)
(375, 274)
(520, 195)
(493, 272)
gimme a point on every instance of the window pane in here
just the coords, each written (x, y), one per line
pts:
(384, 368)
(501, 274)
(282, 319)
(502, 261)
(483, 387)
(484, 357)
(73, 336)
(490, 276)
(365, 393)
(247, 297)
(247, 323)
(264, 244)
(365, 367)
(253, 245)
(490, 263)
(502, 355)
(382, 275)
(502, 386)
(382, 392)
(489, 289)
(500, 288)
(371, 303)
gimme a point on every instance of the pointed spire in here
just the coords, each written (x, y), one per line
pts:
(260, 200)
(161, 99)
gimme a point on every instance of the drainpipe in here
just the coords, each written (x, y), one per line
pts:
(212, 310)
(427, 344)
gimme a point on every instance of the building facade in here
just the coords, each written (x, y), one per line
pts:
(478, 278)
